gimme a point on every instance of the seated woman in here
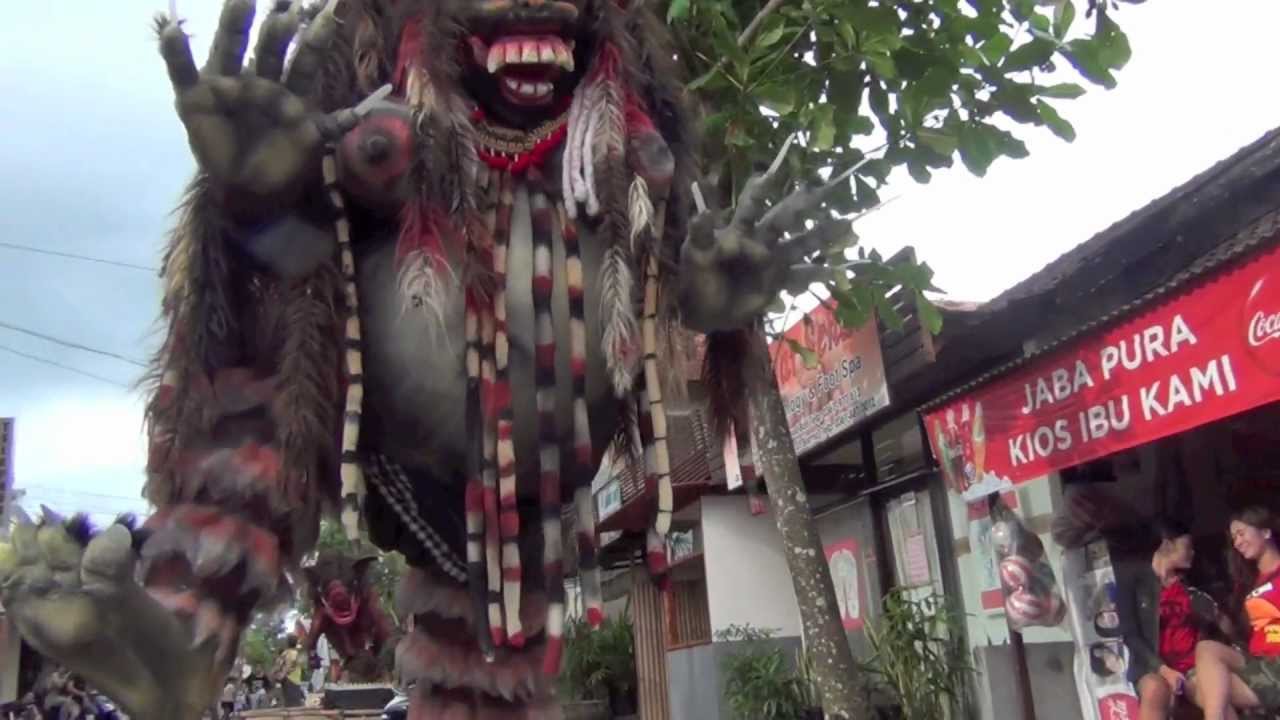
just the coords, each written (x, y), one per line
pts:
(1229, 679)
(1161, 619)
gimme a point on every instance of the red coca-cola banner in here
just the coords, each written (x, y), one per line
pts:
(1207, 353)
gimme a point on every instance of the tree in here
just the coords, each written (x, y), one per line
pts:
(263, 641)
(866, 87)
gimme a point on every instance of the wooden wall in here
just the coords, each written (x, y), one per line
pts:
(651, 651)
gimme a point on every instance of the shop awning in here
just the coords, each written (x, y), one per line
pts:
(1203, 346)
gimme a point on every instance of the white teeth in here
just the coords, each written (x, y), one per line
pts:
(513, 85)
(528, 89)
(544, 88)
(564, 58)
(529, 51)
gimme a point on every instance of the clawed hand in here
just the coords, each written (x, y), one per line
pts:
(253, 129)
(731, 273)
(74, 598)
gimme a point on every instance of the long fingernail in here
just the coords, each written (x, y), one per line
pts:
(366, 106)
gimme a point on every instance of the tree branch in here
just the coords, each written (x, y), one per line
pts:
(753, 27)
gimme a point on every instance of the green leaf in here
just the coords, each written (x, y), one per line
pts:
(938, 140)
(823, 127)
(769, 37)
(919, 172)
(678, 10)
(1029, 55)
(930, 317)
(1063, 91)
(1115, 51)
(703, 79)
(1083, 56)
(780, 98)
(809, 357)
(976, 149)
(1055, 122)
(887, 313)
(867, 195)
(883, 66)
(994, 49)
(1063, 16)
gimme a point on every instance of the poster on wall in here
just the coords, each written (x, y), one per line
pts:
(842, 559)
(1102, 660)
(988, 575)
(1207, 353)
(846, 384)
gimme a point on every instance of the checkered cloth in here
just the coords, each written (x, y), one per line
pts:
(394, 485)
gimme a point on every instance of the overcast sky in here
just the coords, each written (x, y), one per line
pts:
(92, 160)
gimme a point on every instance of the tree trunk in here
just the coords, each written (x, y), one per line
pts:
(833, 668)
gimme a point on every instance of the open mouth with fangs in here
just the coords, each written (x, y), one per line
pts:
(525, 65)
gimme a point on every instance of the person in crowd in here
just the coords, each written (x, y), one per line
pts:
(1161, 619)
(290, 667)
(258, 684)
(228, 699)
(1229, 679)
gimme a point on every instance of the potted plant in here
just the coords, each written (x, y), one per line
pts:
(760, 682)
(599, 668)
(919, 658)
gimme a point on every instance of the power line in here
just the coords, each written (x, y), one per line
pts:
(74, 256)
(73, 345)
(46, 489)
(68, 368)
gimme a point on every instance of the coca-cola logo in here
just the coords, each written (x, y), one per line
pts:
(1264, 327)
(1262, 323)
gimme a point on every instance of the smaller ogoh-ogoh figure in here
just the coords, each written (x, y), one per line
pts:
(346, 612)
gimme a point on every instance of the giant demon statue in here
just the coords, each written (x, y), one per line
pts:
(452, 297)
(346, 612)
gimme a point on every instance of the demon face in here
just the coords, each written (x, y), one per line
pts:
(522, 58)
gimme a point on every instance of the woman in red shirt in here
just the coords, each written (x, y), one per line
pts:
(1228, 678)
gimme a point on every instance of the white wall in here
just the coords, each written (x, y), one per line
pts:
(747, 578)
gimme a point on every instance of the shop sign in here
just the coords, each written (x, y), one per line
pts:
(609, 498)
(1206, 354)
(842, 560)
(844, 385)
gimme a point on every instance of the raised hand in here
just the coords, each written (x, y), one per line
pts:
(734, 265)
(252, 129)
(74, 598)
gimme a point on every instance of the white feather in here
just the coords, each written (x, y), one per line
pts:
(640, 209)
(426, 284)
(620, 326)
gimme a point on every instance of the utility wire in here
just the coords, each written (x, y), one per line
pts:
(73, 345)
(36, 358)
(74, 256)
(46, 489)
